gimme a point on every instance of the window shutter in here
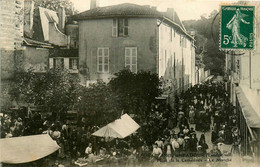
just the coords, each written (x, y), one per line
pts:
(66, 63)
(125, 27)
(121, 27)
(50, 63)
(54, 63)
(106, 60)
(99, 59)
(62, 63)
(70, 63)
(114, 28)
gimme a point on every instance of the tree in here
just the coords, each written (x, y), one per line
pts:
(207, 36)
(135, 92)
(98, 104)
(55, 4)
(55, 90)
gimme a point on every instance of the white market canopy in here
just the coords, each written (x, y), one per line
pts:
(26, 149)
(120, 128)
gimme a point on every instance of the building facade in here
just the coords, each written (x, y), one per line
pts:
(138, 38)
(242, 68)
(34, 38)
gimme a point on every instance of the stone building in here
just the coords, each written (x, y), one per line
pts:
(138, 38)
(34, 38)
(242, 68)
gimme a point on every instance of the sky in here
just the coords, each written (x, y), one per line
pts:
(186, 9)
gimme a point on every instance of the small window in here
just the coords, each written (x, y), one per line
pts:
(58, 63)
(131, 58)
(120, 27)
(103, 60)
(73, 63)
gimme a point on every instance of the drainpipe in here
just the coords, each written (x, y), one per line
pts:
(250, 70)
(182, 68)
(157, 40)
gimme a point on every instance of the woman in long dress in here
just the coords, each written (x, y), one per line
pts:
(234, 25)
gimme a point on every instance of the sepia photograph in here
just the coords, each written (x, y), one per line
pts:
(130, 83)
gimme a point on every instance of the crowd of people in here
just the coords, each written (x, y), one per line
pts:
(72, 138)
(201, 108)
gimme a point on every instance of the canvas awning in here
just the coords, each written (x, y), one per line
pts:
(120, 128)
(26, 149)
(252, 118)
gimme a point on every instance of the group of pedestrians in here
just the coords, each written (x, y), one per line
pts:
(200, 109)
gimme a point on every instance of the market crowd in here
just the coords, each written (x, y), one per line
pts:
(201, 108)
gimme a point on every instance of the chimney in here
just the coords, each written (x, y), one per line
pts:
(28, 17)
(94, 4)
(62, 17)
(170, 13)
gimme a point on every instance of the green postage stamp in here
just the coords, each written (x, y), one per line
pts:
(237, 27)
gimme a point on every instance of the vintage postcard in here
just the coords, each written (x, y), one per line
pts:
(130, 83)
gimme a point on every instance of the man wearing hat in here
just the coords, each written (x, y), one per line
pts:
(193, 142)
(186, 144)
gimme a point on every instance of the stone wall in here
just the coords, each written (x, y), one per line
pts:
(11, 24)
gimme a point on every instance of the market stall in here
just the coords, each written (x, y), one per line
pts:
(25, 149)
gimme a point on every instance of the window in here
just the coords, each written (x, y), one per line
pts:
(58, 63)
(131, 58)
(120, 27)
(103, 60)
(73, 63)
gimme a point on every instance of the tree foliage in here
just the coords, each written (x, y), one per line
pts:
(55, 4)
(98, 102)
(207, 40)
(135, 92)
(55, 90)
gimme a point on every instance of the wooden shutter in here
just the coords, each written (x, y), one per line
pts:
(114, 28)
(70, 63)
(106, 60)
(134, 60)
(51, 63)
(66, 63)
(125, 27)
(100, 60)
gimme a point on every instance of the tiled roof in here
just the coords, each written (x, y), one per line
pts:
(129, 10)
(47, 16)
(64, 53)
(125, 9)
(31, 42)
